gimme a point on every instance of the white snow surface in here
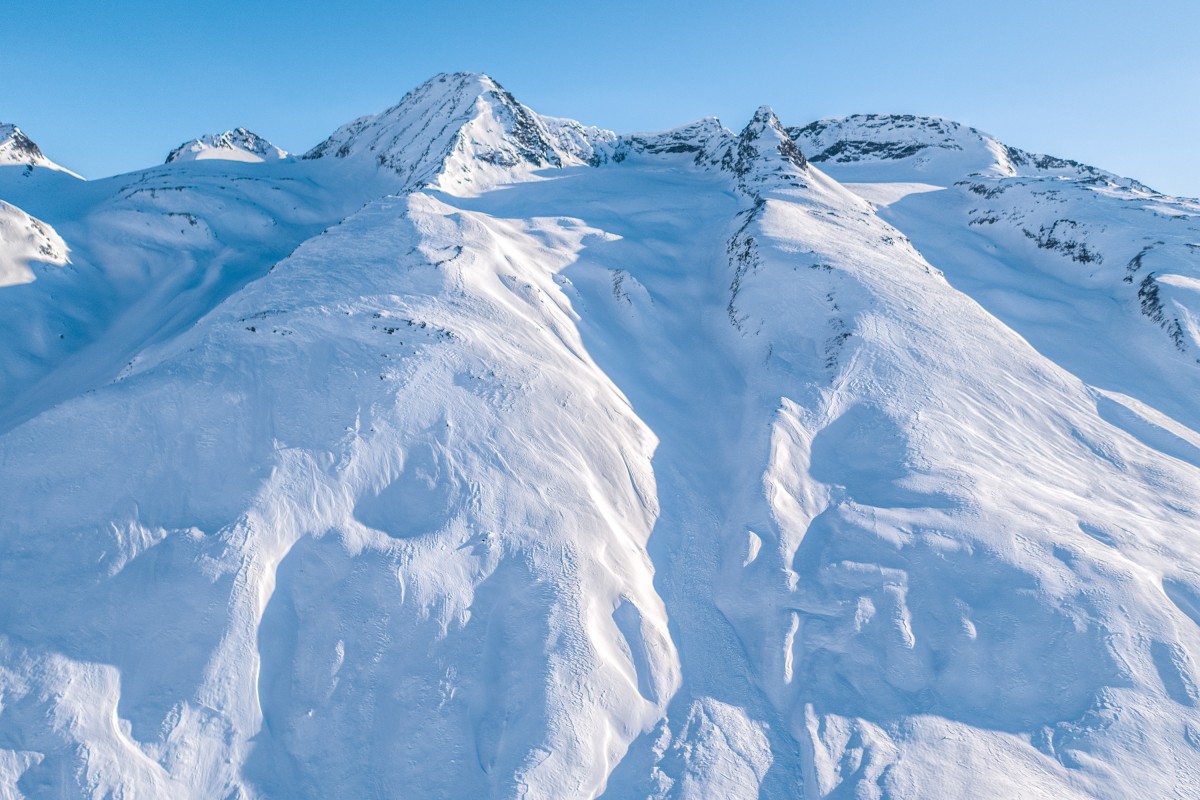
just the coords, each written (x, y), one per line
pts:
(18, 150)
(484, 454)
(25, 241)
(463, 133)
(238, 144)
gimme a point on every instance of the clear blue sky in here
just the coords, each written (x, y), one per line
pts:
(107, 87)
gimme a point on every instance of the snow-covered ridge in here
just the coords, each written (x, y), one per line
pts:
(238, 144)
(463, 131)
(24, 239)
(486, 454)
(761, 155)
(17, 149)
(881, 137)
(930, 146)
(704, 141)
(1087, 226)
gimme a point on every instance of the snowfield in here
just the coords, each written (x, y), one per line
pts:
(476, 453)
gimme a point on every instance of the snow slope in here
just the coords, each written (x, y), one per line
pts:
(479, 453)
(23, 241)
(18, 150)
(238, 144)
(1097, 271)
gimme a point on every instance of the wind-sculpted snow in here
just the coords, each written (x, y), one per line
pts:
(323, 403)
(500, 456)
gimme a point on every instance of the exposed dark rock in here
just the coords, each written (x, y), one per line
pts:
(1152, 307)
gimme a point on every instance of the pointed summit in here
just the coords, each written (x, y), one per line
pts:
(765, 153)
(17, 149)
(765, 129)
(238, 144)
(463, 130)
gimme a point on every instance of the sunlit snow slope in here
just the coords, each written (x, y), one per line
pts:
(483, 454)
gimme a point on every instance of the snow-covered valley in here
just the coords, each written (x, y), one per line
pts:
(476, 453)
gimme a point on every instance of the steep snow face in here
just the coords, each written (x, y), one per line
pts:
(676, 469)
(24, 240)
(18, 150)
(853, 579)
(446, 575)
(1022, 239)
(463, 132)
(238, 144)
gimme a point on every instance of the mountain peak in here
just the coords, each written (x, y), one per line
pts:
(698, 472)
(704, 140)
(237, 144)
(462, 130)
(17, 149)
(765, 152)
(765, 125)
(884, 137)
(940, 150)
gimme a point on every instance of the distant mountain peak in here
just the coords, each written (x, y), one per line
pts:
(17, 149)
(881, 137)
(462, 129)
(764, 155)
(942, 149)
(705, 140)
(766, 131)
(238, 144)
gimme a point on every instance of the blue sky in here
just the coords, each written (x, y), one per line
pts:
(111, 87)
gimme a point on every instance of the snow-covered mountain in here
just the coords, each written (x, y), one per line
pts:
(238, 144)
(1074, 258)
(481, 453)
(908, 146)
(18, 150)
(463, 130)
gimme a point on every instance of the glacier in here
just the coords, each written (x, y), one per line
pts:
(479, 453)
